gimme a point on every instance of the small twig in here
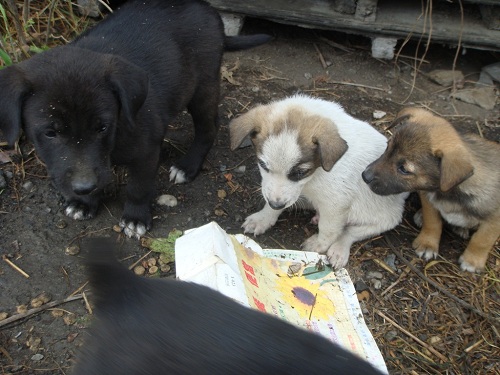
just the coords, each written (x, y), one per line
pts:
(15, 267)
(36, 310)
(473, 346)
(356, 85)
(87, 304)
(320, 55)
(424, 344)
(138, 260)
(79, 289)
(464, 304)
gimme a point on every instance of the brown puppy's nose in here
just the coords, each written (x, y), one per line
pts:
(367, 175)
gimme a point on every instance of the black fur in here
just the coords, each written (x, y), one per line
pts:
(107, 98)
(151, 326)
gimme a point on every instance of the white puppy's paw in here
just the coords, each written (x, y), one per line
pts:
(315, 244)
(417, 218)
(338, 256)
(258, 223)
(177, 176)
(132, 229)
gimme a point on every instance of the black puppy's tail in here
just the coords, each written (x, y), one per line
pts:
(109, 280)
(241, 42)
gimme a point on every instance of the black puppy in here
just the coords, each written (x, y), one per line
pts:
(151, 326)
(107, 98)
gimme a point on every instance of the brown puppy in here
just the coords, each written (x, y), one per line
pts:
(457, 177)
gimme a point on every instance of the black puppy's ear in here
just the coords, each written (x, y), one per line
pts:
(131, 84)
(13, 88)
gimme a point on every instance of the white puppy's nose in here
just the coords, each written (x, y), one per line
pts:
(277, 205)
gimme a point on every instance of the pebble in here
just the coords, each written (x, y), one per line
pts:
(153, 269)
(21, 309)
(240, 169)
(374, 275)
(42, 299)
(165, 268)
(117, 228)
(360, 285)
(69, 319)
(61, 224)
(28, 185)
(3, 315)
(3, 181)
(37, 357)
(151, 262)
(255, 89)
(377, 284)
(72, 250)
(139, 270)
(221, 193)
(390, 335)
(167, 200)
(378, 114)
(390, 260)
(308, 75)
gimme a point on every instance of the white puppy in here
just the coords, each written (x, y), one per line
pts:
(311, 148)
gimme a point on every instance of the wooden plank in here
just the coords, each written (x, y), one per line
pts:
(394, 19)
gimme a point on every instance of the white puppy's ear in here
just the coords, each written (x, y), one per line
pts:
(331, 146)
(248, 124)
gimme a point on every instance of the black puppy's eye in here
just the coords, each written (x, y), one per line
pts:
(51, 133)
(403, 170)
(102, 128)
(263, 165)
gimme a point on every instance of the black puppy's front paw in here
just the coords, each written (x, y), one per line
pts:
(178, 176)
(78, 210)
(136, 220)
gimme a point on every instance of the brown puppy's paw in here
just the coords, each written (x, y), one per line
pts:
(426, 246)
(472, 261)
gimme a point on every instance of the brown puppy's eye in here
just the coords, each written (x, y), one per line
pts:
(50, 133)
(403, 170)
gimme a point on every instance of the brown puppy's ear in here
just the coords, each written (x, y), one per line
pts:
(331, 146)
(455, 168)
(14, 88)
(248, 124)
(131, 85)
(400, 118)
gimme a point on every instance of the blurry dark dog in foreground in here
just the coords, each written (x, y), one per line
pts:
(107, 98)
(456, 175)
(151, 326)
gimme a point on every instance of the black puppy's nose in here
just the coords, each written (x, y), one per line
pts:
(367, 175)
(83, 187)
(277, 205)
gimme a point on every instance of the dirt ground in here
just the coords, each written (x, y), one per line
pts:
(412, 316)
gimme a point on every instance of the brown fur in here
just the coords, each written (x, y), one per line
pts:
(453, 173)
(319, 141)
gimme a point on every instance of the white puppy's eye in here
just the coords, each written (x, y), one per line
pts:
(263, 165)
(297, 174)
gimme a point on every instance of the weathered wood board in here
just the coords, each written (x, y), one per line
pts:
(391, 18)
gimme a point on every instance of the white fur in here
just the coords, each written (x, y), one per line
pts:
(348, 210)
